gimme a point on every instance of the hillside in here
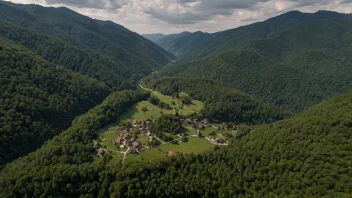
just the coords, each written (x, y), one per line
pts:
(101, 49)
(221, 103)
(199, 45)
(154, 37)
(306, 156)
(294, 69)
(178, 44)
(38, 100)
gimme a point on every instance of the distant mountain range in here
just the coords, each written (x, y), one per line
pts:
(191, 46)
(293, 61)
(154, 37)
(100, 49)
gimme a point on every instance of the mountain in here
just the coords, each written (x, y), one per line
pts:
(197, 45)
(154, 37)
(100, 49)
(223, 104)
(38, 100)
(177, 44)
(306, 155)
(293, 69)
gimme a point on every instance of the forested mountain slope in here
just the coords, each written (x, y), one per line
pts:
(308, 155)
(199, 45)
(294, 69)
(154, 37)
(100, 49)
(221, 103)
(178, 44)
(38, 100)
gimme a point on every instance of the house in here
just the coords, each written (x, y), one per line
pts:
(100, 152)
(170, 154)
(151, 138)
(135, 147)
(95, 143)
(220, 141)
(200, 126)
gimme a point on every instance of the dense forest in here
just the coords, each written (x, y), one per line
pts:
(44, 52)
(221, 103)
(38, 100)
(279, 82)
(294, 69)
(287, 158)
(166, 124)
(183, 42)
(100, 49)
(191, 46)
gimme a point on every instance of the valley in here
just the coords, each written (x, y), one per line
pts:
(133, 139)
(91, 108)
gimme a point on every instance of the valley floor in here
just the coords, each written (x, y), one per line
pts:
(189, 142)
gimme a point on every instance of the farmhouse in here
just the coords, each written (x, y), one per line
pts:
(95, 143)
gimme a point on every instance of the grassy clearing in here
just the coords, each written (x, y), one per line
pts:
(190, 131)
(143, 138)
(147, 155)
(110, 135)
(208, 130)
(194, 144)
(154, 112)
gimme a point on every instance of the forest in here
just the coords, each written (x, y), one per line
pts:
(296, 68)
(287, 158)
(221, 103)
(278, 93)
(81, 44)
(38, 100)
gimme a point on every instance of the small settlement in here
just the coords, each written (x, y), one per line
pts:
(127, 137)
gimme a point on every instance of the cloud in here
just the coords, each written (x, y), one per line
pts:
(101, 4)
(173, 16)
(191, 11)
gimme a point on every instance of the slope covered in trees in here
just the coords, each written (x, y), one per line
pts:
(221, 103)
(294, 69)
(197, 45)
(38, 100)
(154, 37)
(178, 44)
(308, 155)
(101, 49)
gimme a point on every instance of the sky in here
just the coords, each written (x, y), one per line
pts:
(175, 16)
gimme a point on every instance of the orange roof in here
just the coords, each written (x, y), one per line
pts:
(170, 154)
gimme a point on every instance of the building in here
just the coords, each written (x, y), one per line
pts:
(95, 143)
(170, 154)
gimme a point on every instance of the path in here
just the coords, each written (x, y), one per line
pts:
(145, 88)
(124, 153)
(159, 140)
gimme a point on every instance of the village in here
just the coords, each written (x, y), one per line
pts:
(133, 137)
(127, 136)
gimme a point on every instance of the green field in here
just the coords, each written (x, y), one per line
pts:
(110, 135)
(194, 144)
(147, 155)
(153, 112)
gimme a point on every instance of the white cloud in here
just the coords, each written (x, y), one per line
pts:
(172, 16)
